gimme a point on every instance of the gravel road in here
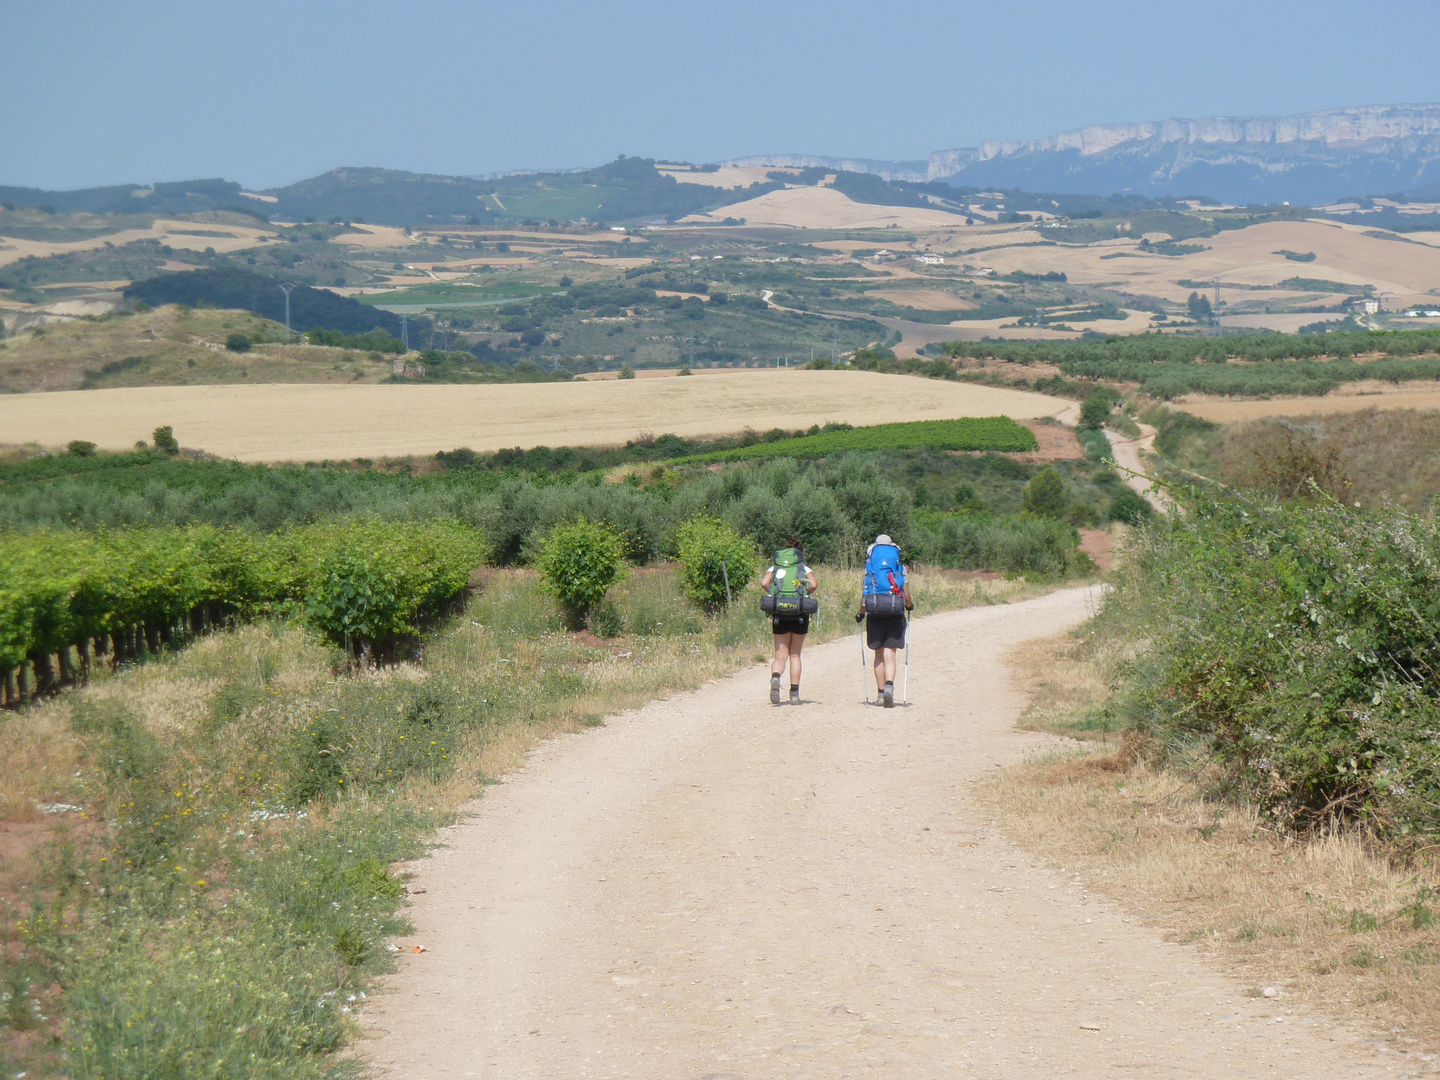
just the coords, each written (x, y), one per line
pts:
(715, 888)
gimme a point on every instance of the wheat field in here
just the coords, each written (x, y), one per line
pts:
(280, 422)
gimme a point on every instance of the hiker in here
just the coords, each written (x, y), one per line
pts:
(884, 602)
(789, 604)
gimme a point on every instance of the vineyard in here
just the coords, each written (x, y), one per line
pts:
(994, 433)
(69, 600)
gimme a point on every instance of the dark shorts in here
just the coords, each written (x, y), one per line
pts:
(885, 631)
(797, 625)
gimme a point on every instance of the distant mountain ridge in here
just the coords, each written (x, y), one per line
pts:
(1311, 158)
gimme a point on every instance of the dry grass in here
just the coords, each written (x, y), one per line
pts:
(1327, 920)
(297, 423)
(37, 762)
(1382, 456)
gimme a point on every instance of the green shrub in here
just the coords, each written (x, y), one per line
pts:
(627, 372)
(237, 343)
(164, 440)
(80, 448)
(1097, 408)
(1046, 495)
(709, 550)
(1131, 507)
(685, 371)
(579, 562)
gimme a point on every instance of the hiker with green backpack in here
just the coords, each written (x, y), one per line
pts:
(788, 596)
(884, 604)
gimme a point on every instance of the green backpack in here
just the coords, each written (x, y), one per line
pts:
(786, 597)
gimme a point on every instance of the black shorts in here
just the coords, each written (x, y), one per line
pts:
(885, 631)
(800, 624)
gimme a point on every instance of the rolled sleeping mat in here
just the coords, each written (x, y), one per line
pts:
(883, 603)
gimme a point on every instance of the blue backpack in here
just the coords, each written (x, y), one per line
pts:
(884, 589)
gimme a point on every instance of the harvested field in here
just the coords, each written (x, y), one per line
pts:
(1365, 395)
(375, 236)
(826, 208)
(309, 423)
(1344, 253)
(727, 176)
(177, 234)
(923, 299)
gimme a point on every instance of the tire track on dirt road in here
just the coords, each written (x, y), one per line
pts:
(713, 887)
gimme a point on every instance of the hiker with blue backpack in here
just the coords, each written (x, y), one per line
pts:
(884, 602)
(788, 596)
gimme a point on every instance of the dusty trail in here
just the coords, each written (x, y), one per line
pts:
(1127, 455)
(715, 888)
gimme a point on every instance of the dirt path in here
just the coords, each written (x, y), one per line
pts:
(715, 888)
(1127, 455)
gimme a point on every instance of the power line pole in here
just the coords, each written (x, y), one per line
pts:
(287, 287)
(405, 332)
(835, 344)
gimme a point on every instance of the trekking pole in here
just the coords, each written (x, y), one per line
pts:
(905, 687)
(864, 679)
(726, 572)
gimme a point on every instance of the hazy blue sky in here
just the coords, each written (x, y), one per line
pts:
(267, 93)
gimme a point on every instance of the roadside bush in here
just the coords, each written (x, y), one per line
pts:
(710, 550)
(80, 448)
(1039, 548)
(1295, 646)
(164, 440)
(1096, 408)
(579, 562)
(237, 343)
(1131, 507)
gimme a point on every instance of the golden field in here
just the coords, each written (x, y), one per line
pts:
(312, 423)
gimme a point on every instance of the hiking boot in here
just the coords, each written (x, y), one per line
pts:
(794, 695)
(888, 696)
(774, 689)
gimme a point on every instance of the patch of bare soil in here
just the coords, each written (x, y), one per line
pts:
(712, 886)
(1099, 544)
(1056, 444)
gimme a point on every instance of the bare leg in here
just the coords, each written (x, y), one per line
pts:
(880, 668)
(890, 665)
(797, 642)
(782, 654)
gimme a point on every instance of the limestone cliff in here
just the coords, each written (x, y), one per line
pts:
(1307, 158)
